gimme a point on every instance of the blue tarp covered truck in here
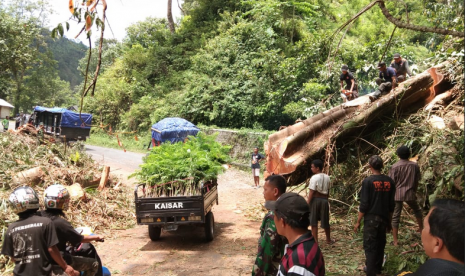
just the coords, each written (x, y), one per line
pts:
(62, 123)
(172, 129)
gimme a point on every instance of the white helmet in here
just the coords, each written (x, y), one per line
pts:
(56, 197)
(24, 198)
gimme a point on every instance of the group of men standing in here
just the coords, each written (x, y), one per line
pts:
(388, 78)
(288, 247)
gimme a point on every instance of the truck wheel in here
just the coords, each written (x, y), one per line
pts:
(209, 226)
(154, 232)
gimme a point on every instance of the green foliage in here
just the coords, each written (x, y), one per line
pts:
(29, 72)
(74, 157)
(199, 158)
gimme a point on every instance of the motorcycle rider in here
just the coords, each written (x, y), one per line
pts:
(56, 200)
(31, 241)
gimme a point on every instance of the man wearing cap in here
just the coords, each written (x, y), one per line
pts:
(270, 244)
(376, 207)
(401, 66)
(406, 175)
(302, 256)
(387, 80)
(349, 79)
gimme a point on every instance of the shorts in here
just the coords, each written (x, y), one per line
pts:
(319, 210)
(256, 171)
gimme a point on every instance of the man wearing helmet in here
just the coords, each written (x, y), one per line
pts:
(56, 200)
(31, 241)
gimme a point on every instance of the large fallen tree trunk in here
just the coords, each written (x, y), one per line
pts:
(290, 150)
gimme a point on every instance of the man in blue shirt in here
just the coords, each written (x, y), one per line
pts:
(387, 80)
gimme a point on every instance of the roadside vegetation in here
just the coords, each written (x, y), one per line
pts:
(251, 64)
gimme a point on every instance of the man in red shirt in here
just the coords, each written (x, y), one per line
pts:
(302, 256)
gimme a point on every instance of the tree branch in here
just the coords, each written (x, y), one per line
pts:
(403, 25)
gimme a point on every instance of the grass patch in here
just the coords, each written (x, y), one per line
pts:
(128, 141)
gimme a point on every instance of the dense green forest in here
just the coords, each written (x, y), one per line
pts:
(35, 69)
(258, 64)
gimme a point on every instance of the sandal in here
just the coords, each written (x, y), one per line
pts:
(331, 242)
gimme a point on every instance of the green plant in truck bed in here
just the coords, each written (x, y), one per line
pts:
(177, 169)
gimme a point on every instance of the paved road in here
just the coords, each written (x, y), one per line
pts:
(121, 163)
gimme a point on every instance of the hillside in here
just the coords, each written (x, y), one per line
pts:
(67, 53)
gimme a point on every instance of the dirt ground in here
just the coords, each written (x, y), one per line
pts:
(185, 252)
(232, 252)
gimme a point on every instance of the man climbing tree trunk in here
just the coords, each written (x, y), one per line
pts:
(170, 17)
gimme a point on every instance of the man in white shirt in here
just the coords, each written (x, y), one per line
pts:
(318, 200)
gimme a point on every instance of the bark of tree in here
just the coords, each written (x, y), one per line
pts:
(404, 25)
(104, 178)
(170, 17)
(290, 150)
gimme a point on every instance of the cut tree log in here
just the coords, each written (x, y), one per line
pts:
(440, 99)
(29, 176)
(104, 179)
(290, 150)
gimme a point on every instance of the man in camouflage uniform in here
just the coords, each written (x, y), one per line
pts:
(270, 244)
(40, 133)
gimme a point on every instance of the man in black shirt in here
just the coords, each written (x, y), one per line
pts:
(56, 199)
(31, 241)
(349, 92)
(376, 207)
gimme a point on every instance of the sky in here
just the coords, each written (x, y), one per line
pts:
(120, 14)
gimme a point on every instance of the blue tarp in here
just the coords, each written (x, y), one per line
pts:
(69, 118)
(173, 130)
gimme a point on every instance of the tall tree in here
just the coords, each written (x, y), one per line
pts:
(170, 17)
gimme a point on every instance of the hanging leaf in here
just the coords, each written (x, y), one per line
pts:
(67, 26)
(88, 22)
(54, 33)
(99, 23)
(71, 6)
(60, 29)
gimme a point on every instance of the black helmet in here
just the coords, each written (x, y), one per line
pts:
(344, 68)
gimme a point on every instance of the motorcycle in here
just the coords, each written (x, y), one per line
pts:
(88, 250)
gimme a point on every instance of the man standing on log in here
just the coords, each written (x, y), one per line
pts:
(349, 80)
(401, 66)
(406, 175)
(376, 207)
(318, 200)
(270, 243)
(256, 158)
(387, 80)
